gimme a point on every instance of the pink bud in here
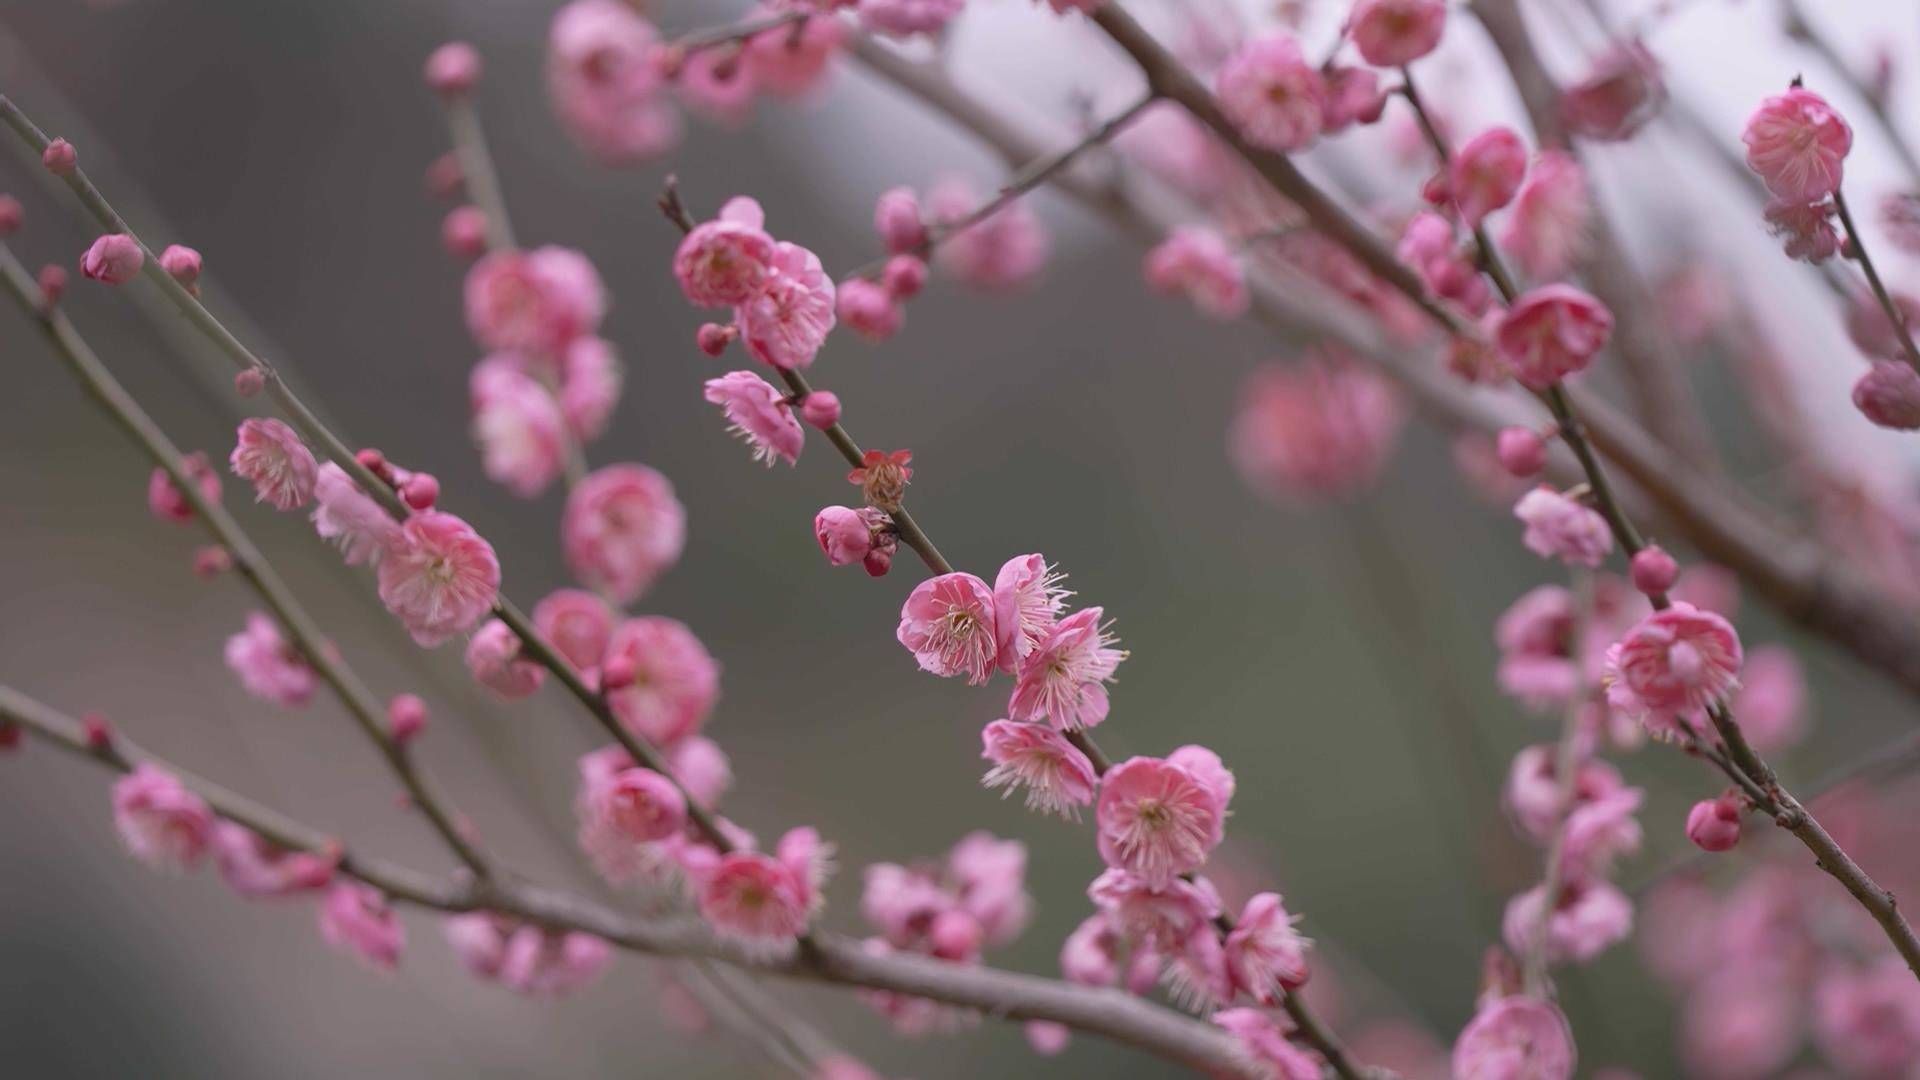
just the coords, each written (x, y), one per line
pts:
(617, 673)
(880, 559)
(375, 462)
(60, 158)
(444, 178)
(904, 276)
(713, 338)
(1653, 570)
(181, 263)
(1522, 451)
(464, 232)
(249, 382)
(212, 561)
(821, 408)
(114, 258)
(896, 217)
(53, 285)
(96, 730)
(421, 491)
(406, 718)
(1889, 395)
(1714, 824)
(955, 935)
(453, 69)
(843, 535)
(11, 214)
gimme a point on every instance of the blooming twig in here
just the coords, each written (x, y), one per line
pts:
(1566, 763)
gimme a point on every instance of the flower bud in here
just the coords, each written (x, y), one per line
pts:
(212, 561)
(1522, 451)
(11, 215)
(463, 232)
(896, 217)
(880, 558)
(1653, 570)
(420, 491)
(1714, 824)
(114, 258)
(868, 309)
(97, 732)
(821, 408)
(444, 177)
(249, 383)
(60, 158)
(1889, 395)
(904, 277)
(182, 264)
(453, 69)
(955, 935)
(713, 338)
(843, 535)
(406, 718)
(10, 737)
(53, 285)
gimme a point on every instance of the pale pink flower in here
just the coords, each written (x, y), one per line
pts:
(717, 84)
(590, 383)
(759, 414)
(903, 18)
(793, 61)
(1532, 791)
(868, 309)
(1264, 1043)
(357, 919)
(1391, 33)
(1772, 700)
(575, 622)
(787, 321)
(1156, 819)
(1549, 227)
(549, 963)
(1063, 680)
(1196, 262)
(167, 502)
(1620, 94)
(639, 804)
(160, 821)
(675, 680)
(269, 666)
(702, 769)
(1552, 332)
(1868, 1021)
(1027, 600)
(254, 866)
(1486, 173)
(1057, 777)
(1045, 1037)
(724, 262)
(1264, 951)
(1354, 96)
(1889, 395)
(1590, 917)
(495, 661)
(518, 427)
(754, 896)
(115, 259)
(988, 875)
(1600, 829)
(1321, 428)
(533, 302)
(1515, 1038)
(350, 518)
(1272, 93)
(621, 528)
(1535, 636)
(1160, 917)
(605, 80)
(1682, 659)
(439, 577)
(1560, 528)
(948, 624)
(1002, 252)
(1796, 142)
(1429, 246)
(273, 459)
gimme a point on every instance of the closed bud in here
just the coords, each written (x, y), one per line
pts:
(463, 232)
(821, 408)
(406, 718)
(53, 285)
(1522, 451)
(182, 264)
(453, 69)
(1889, 395)
(114, 258)
(713, 338)
(11, 215)
(249, 383)
(420, 491)
(10, 737)
(1653, 570)
(617, 673)
(896, 217)
(212, 561)
(444, 177)
(60, 158)
(1714, 824)
(904, 276)
(843, 535)
(98, 733)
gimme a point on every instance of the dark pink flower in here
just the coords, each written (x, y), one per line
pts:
(1868, 1020)
(1264, 952)
(904, 18)
(676, 681)
(948, 624)
(868, 309)
(639, 804)
(1807, 229)
(754, 896)
(268, 665)
(605, 80)
(844, 535)
(590, 383)
(1714, 824)
(439, 577)
(793, 61)
(1027, 600)
(621, 528)
(1552, 332)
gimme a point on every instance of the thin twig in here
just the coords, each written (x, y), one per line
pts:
(1857, 250)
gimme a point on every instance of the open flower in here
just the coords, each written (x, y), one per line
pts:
(759, 414)
(725, 261)
(495, 661)
(1058, 778)
(1064, 678)
(948, 625)
(350, 518)
(533, 302)
(1797, 142)
(1314, 430)
(1027, 599)
(1264, 952)
(1263, 1041)
(1513, 1037)
(1157, 820)
(160, 821)
(1680, 660)
(999, 253)
(1552, 332)
(518, 426)
(639, 804)
(577, 623)
(1589, 917)
(357, 919)
(1390, 33)
(439, 577)
(1549, 226)
(1198, 264)
(271, 457)
(269, 665)
(255, 866)
(1560, 528)
(621, 528)
(1273, 94)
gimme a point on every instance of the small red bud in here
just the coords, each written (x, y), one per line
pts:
(98, 733)
(1521, 451)
(453, 69)
(1653, 570)
(212, 561)
(406, 718)
(713, 338)
(821, 408)
(10, 737)
(463, 232)
(11, 215)
(421, 491)
(249, 382)
(375, 462)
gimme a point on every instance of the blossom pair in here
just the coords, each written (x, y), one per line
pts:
(781, 296)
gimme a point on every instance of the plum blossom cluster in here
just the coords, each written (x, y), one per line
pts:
(780, 297)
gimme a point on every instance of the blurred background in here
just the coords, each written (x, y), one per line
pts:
(1339, 657)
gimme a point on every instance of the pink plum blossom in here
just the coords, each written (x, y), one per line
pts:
(621, 528)
(115, 259)
(1714, 824)
(717, 84)
(1322, 428)
(1063, 680)
(845, 535)
(1552, 332)
(1621, 92)
(1273, 94)
(575, 622)
(1197, 263)
(898, 221)
(1807, 229)
(605, 81)
(495, 661)
(167, 502)
(676, 681)
(1392, 33)
(356, 918)
(256, 867)
(1889, 395)
(1868, 1020)
(533, 302)
(1002, 252)
(1156, 819)
(1027, 599)
(725, 261)
(868, 309)
(1057, 777)
(787, 320)
(1354, 96)
(904, 18)
(1681, 659)
(1264, 951)
(793, 61)
(754, 896)
(759, 414)
(350, 518)
(268, 665)
(1549, 227)
(161, 822)
(948, 623)
(1429, 245)
(1515, 1038)
(640, 804)
(1486, 173)
(1560, 528)
(518, 426)
(1771, 703)
(1264, 1043)
(439, 577)
(1797, 142)
(273, 459)
(1162, 916)
(590, 383)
